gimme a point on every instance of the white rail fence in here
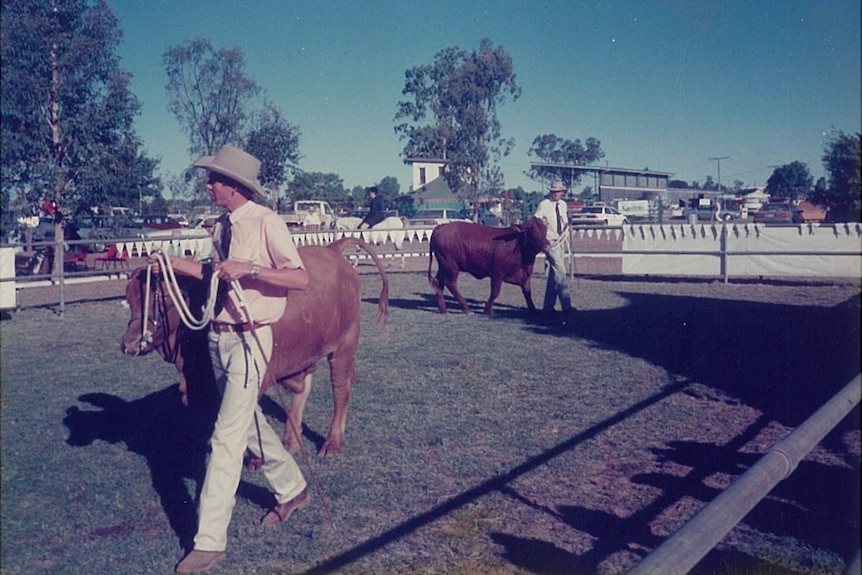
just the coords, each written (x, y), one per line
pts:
(684, 549)
(682, 249)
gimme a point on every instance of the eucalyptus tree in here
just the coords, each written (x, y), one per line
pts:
(842, 191)
(209, 94)
(451, 114)
(68, 113)
(551, 149)
(790, 182)
(318, 186)
(275, 142)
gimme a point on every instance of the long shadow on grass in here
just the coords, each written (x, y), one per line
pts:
(783, 360)
(172, 438)
(499, 483)
(817, 507)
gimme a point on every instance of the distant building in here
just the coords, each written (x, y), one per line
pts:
(617, 183)
(430, 189)
(613, 184)
(425, 170)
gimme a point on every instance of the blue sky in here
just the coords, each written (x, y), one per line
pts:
(663, 84)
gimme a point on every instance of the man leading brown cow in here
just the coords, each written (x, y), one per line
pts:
(261, 255)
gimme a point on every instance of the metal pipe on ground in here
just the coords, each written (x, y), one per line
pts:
(685, 548)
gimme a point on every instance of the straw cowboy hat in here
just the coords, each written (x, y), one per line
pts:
(237, 165)
(557, 186)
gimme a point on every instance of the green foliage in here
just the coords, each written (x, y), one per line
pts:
(550, 149)
(790, 182)
(208, 93)
(388, 188)
(318, 186)
(67, 110)
(453, 114)
(275, 142)
(842, 158)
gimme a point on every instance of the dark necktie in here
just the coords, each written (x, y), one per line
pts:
(224, 243)
(559, 218)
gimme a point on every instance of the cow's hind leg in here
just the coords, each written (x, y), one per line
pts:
(294, 414)
(437, 285)
(341, 367)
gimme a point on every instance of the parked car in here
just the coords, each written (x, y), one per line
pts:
(44, 231)
(776, 213)
(435, 217)
(199, 227)
(598, 216)
(808, 212)
(106, 228)
(485, 217)
(157, 222)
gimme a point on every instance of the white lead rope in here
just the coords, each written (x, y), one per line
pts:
(172, 286)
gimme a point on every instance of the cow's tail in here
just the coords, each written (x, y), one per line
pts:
(383, 300)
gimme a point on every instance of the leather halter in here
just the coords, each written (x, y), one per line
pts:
(157, 316)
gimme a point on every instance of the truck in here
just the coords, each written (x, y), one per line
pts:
(296, 218)
(720, 209)
(633, 209)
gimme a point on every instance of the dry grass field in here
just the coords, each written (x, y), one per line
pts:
(498, 445)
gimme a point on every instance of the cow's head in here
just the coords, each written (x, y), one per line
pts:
(533, 240)
(154, 320)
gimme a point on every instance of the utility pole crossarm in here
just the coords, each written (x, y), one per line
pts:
(718, 159)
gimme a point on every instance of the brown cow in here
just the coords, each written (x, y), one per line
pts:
(503, 254)
(322, 321)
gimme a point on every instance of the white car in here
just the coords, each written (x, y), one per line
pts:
(599, 216)
(435, 217)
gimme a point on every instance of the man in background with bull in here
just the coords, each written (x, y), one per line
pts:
(554, 211)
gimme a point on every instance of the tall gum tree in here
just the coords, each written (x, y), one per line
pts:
(451, 113)
(66, 103)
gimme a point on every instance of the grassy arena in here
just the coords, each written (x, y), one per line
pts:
(501, 445)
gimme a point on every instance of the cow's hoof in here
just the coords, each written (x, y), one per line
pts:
(253, 463)
(330, 447)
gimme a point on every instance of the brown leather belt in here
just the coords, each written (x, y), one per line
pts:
(222, 327)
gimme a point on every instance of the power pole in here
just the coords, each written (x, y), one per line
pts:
(719, 159)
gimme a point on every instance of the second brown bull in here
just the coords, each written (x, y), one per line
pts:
(503, 254)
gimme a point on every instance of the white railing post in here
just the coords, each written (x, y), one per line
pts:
(685, 548)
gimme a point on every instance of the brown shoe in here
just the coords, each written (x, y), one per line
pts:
(199, 561)
(281, 512)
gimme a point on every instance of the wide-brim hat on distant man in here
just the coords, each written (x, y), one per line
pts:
(557, 186)
(237, 165)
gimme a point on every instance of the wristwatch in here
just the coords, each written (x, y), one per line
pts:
(255, 271)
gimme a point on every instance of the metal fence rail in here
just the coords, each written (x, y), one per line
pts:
(685, 548)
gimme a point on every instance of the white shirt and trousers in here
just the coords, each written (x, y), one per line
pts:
(259, 236)
(555, 215)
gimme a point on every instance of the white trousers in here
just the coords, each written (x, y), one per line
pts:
(557, 286)
(239, 369)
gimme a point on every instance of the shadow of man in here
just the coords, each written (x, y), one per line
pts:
(172, 438)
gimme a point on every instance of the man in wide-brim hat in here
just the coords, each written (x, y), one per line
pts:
(554, 211)
(258, 252)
